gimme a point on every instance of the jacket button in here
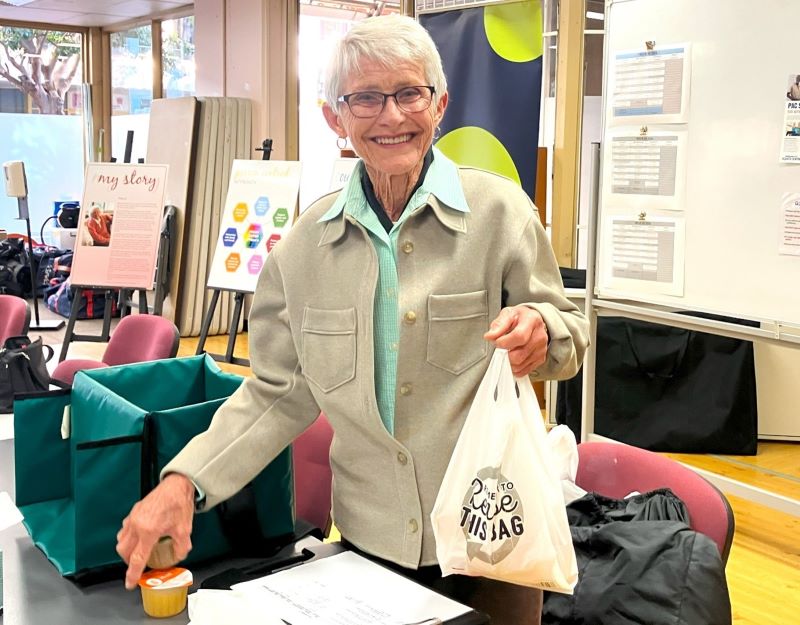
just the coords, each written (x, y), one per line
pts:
(413, 526)
(402, 458)
(408, 247)
(410, 317)
(405, 389)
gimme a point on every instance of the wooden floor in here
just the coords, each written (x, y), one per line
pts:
(764, 566)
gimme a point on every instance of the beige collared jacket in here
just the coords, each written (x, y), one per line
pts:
(311, 350)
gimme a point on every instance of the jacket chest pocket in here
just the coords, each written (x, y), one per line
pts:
(329, 346)
(455, 330)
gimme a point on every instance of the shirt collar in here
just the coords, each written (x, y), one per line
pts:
(442, 182)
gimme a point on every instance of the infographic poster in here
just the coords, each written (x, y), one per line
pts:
(258, 213)
(120, 225)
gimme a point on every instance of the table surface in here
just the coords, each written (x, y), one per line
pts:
(36, 594)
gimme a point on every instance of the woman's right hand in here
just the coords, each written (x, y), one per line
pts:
(168, 510)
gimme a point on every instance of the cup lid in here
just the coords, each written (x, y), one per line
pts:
(162, 579)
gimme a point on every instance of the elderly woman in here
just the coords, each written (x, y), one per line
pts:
(379, 309)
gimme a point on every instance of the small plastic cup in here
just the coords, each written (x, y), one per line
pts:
(164, 591)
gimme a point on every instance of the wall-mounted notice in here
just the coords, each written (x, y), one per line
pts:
(120, 225)
(643, 255)
(790, 222)
(342, 170)
(790, 142)
(651, 86)
(647, 168)
(259, 210)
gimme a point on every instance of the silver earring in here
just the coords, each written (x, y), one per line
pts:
(437, 133)
(341, 142)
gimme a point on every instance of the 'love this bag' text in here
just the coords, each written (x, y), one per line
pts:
(492, 509)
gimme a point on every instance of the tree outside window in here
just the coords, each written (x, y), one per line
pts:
(39, 69)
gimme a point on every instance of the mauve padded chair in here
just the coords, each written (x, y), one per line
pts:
(616, 470)
(136, 338)
(312, 474)
(15, 317)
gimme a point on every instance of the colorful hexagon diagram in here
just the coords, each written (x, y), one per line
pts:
(229, 237)
(240, 212)
(280, 218)
(232, 262)
(273, 239)
(255, 264)
(261, 206)
(253, 236)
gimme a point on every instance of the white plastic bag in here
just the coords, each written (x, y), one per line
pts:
(500, 512)
(564, 451)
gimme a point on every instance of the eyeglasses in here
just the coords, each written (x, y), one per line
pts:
(370, 103)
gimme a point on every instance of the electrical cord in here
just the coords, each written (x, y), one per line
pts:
(44, 223)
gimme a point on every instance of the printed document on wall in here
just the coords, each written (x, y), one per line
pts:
(790, 142)
(650, 86)
(259, 210)
(642, 255)
(790, 224)
(646, 170)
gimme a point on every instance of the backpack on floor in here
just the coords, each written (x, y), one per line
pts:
(93, 302)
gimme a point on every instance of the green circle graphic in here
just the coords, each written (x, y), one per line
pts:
(514, 31)
(475, 147)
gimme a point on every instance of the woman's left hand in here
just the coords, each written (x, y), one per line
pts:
(522, 331)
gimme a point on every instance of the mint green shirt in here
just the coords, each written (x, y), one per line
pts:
(442, 181)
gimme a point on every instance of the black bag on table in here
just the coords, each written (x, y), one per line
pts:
(23, 369)
(669, 389)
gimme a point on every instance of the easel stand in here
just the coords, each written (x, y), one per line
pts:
(38, 324)
(70, 335)
(238, 300)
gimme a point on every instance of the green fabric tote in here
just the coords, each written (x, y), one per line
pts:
(126, 423)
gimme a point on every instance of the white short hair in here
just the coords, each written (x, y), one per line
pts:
(387, 40)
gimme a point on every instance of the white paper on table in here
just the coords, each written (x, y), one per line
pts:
(347, 589)
(9, 513)
(211, 607)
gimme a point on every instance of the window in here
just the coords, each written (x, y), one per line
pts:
(321, 25)
(131, 90)
(41, 98)
(42, 67)
(177, 57)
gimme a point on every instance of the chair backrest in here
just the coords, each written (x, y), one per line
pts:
(15, 317)
(312, 474)
(615, 470)
(138, 338)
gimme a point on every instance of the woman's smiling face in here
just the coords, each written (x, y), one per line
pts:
(394, 142)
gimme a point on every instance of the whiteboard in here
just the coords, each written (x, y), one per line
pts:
(742, 54)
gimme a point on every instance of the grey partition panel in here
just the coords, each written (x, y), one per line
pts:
(223, 134)
(171, 141)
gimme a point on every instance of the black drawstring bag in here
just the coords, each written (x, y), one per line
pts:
(669, 389)
(23, 369)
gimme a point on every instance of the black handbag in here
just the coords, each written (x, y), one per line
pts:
(669, 389)
(23, 369)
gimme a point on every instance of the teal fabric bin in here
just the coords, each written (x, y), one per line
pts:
(126, 423)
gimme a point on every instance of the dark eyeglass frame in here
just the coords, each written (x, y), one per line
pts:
(346, 99)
